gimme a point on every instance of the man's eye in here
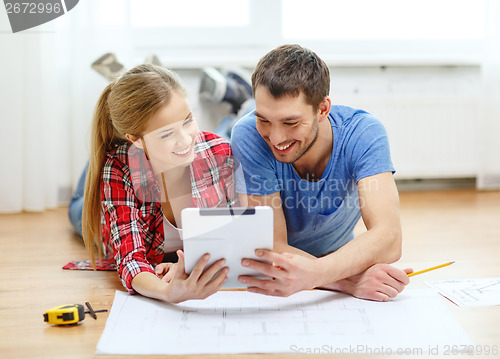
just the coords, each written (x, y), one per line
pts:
(290, 123)
(261, 120)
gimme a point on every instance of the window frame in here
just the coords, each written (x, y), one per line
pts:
(262, 30)
(243, 46)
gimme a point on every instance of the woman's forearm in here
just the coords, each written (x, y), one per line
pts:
(149, 285)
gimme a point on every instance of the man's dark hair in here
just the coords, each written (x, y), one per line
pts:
(289, 69)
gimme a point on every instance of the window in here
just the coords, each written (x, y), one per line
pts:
(189, 13)
(388, 32)
(192, 33)
(201, 24)
(384, 19)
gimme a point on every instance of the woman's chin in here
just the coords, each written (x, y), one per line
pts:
(179, 164)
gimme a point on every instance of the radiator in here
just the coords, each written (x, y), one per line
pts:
(430, 136)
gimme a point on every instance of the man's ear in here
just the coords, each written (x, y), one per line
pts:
(137, 141)
(324, 108)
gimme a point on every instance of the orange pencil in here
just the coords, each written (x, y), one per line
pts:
(431, 268)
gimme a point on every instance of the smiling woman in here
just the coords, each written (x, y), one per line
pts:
(170, 136)
(148, 162)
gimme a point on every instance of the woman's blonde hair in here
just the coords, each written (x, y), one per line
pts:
(125, 107)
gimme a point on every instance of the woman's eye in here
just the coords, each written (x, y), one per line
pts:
(166, 135)
(188, 121)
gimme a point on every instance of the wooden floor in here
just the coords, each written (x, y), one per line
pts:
(439, 226)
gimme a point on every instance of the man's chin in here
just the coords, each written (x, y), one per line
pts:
(284, 158)
(289, 157)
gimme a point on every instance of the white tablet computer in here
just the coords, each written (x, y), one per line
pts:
(230, 233)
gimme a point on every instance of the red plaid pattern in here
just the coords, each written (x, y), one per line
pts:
(133, 227)
(105, 264)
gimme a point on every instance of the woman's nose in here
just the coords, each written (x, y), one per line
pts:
(184, 138)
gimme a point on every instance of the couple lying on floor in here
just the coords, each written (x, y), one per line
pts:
(320, 167)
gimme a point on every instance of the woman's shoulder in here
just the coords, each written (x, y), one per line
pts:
(117, 159)
(208, 143)
(121, 151)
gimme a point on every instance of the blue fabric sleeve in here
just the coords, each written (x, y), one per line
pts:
(369, 149)
(258, 174)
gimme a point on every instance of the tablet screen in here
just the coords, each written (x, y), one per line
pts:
(230, 233)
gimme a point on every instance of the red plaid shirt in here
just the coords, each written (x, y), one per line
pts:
(131, 201)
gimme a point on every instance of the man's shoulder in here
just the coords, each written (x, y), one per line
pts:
(350, 117)
(246, 125)
(346, 114)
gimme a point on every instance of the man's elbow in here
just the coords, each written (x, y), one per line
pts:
(394, 248)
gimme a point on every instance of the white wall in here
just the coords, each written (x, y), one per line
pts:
(11, 104)
(361, 87)
(430, 112)
(48, 92)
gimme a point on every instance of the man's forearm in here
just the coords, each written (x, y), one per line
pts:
(369, 248)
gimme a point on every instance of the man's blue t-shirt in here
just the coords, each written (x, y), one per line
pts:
(320, 216)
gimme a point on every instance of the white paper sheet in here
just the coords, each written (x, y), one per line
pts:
(306, 322)
(469, 292)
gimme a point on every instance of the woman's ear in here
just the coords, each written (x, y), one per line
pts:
(135, 140)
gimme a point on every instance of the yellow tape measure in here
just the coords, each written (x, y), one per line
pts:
(69, 314)
(65, 314)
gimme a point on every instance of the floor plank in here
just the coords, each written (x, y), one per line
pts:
(438, 226)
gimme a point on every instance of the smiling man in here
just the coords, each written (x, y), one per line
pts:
(321, 168)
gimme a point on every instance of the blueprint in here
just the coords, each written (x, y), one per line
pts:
(469, 292)
(306, 322)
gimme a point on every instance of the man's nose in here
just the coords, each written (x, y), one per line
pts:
(277, 135)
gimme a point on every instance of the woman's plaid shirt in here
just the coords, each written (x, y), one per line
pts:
(131, 198)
